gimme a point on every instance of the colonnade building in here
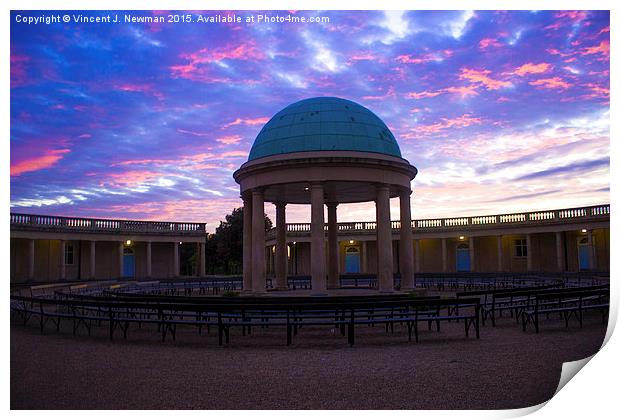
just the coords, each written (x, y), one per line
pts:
(326, 151)
(321, 152)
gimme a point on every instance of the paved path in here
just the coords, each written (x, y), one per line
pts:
(504, 369)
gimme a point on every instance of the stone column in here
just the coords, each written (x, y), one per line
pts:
(407, 276)
(258, 241)
(62, 268)
(500, 254)
(559, 251)
(30, 259)
(203, 260)
(591, 251)
(149, 270)
(416, 245)
(281, 259)
(175, 261)
(471, 254)
(364, 257)
(93, 261)
(121, 269)
(333, 276)
(444, 255)
(528, 245)
(385, 270)
(247, 242)
(317, 234)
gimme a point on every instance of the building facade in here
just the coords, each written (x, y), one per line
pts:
(572, 240)
(53, 248)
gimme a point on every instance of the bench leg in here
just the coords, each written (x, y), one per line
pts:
(351, 333)
(289, 334)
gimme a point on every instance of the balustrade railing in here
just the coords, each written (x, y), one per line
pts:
(490, 220)
(136, 226)
(86, 224)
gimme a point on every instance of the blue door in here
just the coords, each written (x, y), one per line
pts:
(462, 258)
(352, 260)
(129, 263)
(584, 255)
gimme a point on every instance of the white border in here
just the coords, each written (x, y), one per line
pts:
(592, 394)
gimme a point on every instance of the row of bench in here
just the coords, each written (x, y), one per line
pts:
(341, 314)
(526, 304)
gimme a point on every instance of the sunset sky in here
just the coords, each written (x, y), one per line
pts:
(499, 111)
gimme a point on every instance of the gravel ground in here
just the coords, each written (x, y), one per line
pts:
(506, 368)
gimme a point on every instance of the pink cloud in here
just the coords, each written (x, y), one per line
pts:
(228, 139)
(554, 51)
(366, 56)
(247, 121)
(462, 91)
(437, 56)
(193, 133)
(389, 94)
(423, 94)
(140, 88)
(567, 17)
(18, 70)
(130, 178)
(142, 162)
(197, 67)
(489, 42)
(531, 68)
(463, 121)
(597, 91)
(602, 48)
(482, 77)
(49, 159)
(234, 154)
(552, 83)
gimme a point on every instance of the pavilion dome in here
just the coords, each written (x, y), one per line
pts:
(324, 124)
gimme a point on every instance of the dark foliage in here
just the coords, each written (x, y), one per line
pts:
(224, 248)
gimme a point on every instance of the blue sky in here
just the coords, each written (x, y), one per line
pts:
(499, 111)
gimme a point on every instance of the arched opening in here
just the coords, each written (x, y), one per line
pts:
(462, 258)
(129, 262)
(352, 259)
(584, 254)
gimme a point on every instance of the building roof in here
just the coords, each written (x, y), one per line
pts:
(322, 124)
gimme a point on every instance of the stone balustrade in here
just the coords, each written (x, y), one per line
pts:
(490, 221)
(79, 224)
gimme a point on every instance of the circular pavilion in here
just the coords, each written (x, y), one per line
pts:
(324, 151)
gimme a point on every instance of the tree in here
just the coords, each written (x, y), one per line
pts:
(224, 248)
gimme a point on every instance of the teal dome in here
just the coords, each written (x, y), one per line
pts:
(322, 124)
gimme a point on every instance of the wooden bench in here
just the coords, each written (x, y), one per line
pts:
(227, 314)
(567, 303)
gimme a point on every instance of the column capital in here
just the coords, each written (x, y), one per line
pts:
(280, 204)
(258, 191)
(405, 192)
(316, 184)
(331, 204)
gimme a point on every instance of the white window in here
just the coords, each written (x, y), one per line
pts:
(520, 246)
